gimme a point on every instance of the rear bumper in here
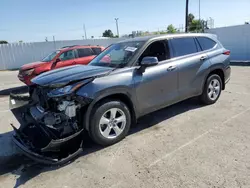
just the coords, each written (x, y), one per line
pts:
(227, 74)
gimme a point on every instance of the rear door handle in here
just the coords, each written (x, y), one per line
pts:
(171, 68)
(203, 58)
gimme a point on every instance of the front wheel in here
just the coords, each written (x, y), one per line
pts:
(110, 122)
(212, 89)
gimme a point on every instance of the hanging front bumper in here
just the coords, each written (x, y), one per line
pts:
(33, 140)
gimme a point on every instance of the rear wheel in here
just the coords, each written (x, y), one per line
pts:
(110, 122)
(212, 89)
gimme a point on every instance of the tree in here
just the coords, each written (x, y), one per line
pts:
(171, 29)
(3, 42)
(195, 25)
(108, 33)
(190, 18)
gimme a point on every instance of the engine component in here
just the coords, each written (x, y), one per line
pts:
(68, 107)
(62, 106)
(51, 119)
(70, 110)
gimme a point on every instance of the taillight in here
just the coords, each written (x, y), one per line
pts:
(226, 52)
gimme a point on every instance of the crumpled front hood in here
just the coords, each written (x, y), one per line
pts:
(68, 74)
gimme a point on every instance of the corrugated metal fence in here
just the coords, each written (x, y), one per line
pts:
(13, 56)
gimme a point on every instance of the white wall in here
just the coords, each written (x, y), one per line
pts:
(236, 39)
(13, 56)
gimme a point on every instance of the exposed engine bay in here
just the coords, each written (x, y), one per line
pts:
(50, 127)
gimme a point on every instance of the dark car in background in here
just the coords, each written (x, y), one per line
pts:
(66, 56)
(126, 81)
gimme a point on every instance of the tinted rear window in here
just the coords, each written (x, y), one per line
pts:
(183, 46)
(84, 52)
(206, 43)
(97, 50)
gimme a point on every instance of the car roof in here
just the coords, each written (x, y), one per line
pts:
(168, 36)
(78, 46)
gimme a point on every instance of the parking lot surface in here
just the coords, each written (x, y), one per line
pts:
(184, 145)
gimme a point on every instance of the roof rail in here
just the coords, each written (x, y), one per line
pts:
(69, 46)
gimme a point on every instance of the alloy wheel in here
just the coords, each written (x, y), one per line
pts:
(112, 123)
(213, 90)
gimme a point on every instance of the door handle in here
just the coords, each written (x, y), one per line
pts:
(171, 68)
(203, 58)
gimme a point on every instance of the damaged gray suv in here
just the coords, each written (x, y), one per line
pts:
(126, 81)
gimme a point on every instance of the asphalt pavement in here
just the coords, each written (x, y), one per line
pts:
(184, 145)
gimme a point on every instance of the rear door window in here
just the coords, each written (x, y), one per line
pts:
(97, 50)
(84, 52)
(206, 43)
(183, 46)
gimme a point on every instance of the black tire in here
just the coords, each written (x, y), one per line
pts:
(98, 112)
(205, 96)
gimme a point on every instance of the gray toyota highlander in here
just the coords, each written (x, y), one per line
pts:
(129, 79)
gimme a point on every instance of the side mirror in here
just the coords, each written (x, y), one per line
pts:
(55, 62)
(149, 61)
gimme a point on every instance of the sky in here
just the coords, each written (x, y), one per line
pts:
(34, 20)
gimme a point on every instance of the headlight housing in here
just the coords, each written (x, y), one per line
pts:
(68, 89)
(28, 72)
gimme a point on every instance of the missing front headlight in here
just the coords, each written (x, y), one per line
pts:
(68, 89)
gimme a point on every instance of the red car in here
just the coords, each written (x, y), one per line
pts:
(66, 56)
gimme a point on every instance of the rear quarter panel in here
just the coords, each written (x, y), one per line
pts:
(220, 61)
(217, 61)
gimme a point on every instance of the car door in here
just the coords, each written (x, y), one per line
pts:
(192, 62)
(84, 56)
(156, 87)
(66, 58)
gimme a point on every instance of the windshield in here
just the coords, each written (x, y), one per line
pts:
(51, 56)
(117, 55)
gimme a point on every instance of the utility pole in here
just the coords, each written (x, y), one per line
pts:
(84, 29)
(117, 29)
(200, 24)
(186, 25)
(199, 10)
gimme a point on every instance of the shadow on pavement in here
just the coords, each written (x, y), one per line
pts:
(240, 63)
(28, 169)
(6, 92)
